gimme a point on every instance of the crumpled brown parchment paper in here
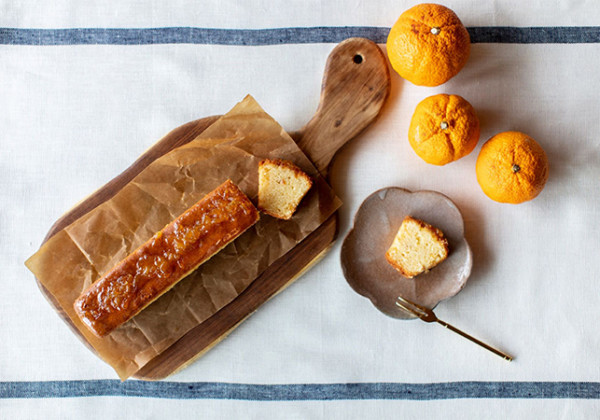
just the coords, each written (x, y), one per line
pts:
(229, 149)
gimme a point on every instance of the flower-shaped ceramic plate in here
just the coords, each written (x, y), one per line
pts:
(375, 225)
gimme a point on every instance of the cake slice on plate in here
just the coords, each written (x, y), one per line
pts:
(417, 247)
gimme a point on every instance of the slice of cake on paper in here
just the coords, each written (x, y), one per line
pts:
(417, 247)
(281, 187)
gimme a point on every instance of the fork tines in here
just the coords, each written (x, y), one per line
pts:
(411, 307)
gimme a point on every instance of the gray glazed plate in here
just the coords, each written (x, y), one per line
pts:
(375, 225)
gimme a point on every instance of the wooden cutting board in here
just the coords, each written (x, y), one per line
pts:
(355, 86)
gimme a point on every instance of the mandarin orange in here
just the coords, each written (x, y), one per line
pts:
(512, 168)
(428, 45)
(443, 128)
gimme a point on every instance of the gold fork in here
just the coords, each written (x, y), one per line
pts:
(427, 315)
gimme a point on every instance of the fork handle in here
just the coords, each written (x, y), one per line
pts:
(474, 340)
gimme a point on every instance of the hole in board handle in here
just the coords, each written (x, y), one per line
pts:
(358, 59)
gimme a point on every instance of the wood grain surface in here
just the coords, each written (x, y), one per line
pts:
(355, 86)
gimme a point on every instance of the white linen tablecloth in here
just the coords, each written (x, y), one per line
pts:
(74, 116)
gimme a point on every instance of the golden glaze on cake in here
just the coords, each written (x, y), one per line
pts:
(167, 257)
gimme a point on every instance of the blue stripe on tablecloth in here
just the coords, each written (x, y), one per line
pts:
(301, 392)
(275, 36)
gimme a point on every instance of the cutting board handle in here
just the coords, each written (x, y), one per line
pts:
(355, 86)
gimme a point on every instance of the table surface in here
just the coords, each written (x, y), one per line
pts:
(87, 87)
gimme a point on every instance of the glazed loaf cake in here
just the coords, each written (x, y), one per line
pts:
(166, 258)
